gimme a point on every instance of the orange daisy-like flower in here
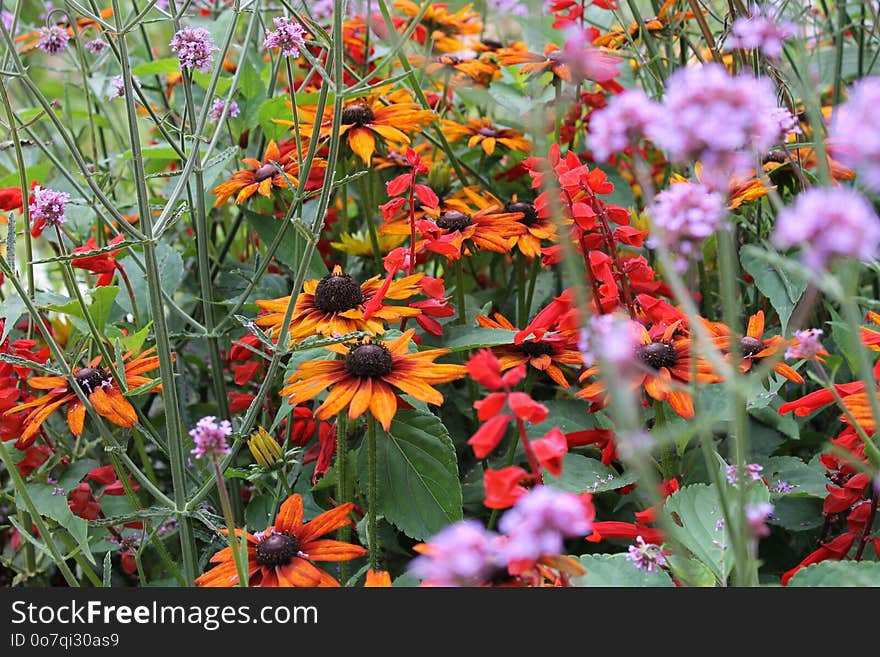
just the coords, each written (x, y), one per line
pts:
(366, 376)
(755, 347)
(617, 36)
(459, 69)
(335, 305)
(103, 392)
(545, 354)
(282, 555)
(442, 26)
(665, 360)
(482, 132)
(261, 177)
(535, 63)
(536, 229)
(390, 116)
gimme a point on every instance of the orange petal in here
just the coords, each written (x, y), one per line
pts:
(290, 515)
(362, 143)
(383, 404)
(327, 550)
(324, 524)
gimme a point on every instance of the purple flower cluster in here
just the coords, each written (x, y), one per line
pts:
(763, 31)
(685, 215)
(195, 48)
(613, 338)
(829, 223)
(7, 17)
(466, 554)
(288, 37)
(646, 556)
(97, 46)
(625, 120)
(806, 344)
(753, 472)
(217, 110)
(49, 206)
(53, 39)
(855, 132)
(117, 86)
(757, 516)
(210, 437)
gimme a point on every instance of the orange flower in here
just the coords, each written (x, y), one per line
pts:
(536, 64)
(755, 347)
(666, 361)
(262, 176)
(365, 378)
(535, 229)
(617, 37)
(545, 354)
(334, 305)
(482, 132)
(282, 555)
(103, 392)
(378, 579)
(390, 116)
(459, 70)
(442, 26)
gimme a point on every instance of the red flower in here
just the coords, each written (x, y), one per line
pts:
(836, 550)
(550, 450)
(843, 497)
(503, 487)
(82, 503)
(10, 199)
(101, 263)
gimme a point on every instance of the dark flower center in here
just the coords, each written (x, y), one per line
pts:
(530, 212)
(750, 346)
(492, 43)
(486, 131)
(454, 220)
(92, 378)
(369, 361)
(534, 348)
(265, 171)
(336, 294)
(276, 550)
(357, 115)
(449, 60)
(658, 354)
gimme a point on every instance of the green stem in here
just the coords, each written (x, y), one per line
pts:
(372, 492)
(229, 517)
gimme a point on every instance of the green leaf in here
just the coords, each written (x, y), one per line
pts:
(135, 341)
(290, 251)
(623, 194)
(464, 338)
(11, 309)
(797, 514)
(170, 277)
(585, 475)
(419, 490)
(75, 473)
(100, 302)
(838, 573)
(806, 480)
(567, 415)
(259, 512)
(615, 570)
(783, 289)
(157, 67)
(49, 502)
(274, 108)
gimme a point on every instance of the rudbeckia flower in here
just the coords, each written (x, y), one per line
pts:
(367, 375)
(664, 363)
(390, 116)
(335, 305)
(282, 554)
(552, 60)
(104, 394)
(262, 176)
(459, 68)
(442, 26)
(481, 132)
(544, 354)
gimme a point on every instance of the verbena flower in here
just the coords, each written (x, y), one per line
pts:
(288, 37)
(757, 516)
(805, 345)
(684, 216)
(646, 556)
(96, 46)
(117, 87)
(762, 30)
(53, 39)
(587, 62)
(219, 105)
(195, 48)
(210, 437)
(855, 132)
(540, 521)
(462, 554)
(7, 17)
(624, 121)
(829, 223)
(720, 120)
(48, 208)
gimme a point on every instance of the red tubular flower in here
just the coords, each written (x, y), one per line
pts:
(843, 497)
(101, 263)
(625, 530)
(550, 450)
(836, 550)
(504, 486)
(82, 503)
(34, 457)
(487, 437)
(10, 199)
(601, 438)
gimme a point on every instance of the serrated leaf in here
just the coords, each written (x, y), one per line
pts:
(614, 570)
(463, 338)
(793, 471)
(53, 504)
(783, 289)
(105, 580)
(838, 574)
(581, 474)
(100, 302)
(692, 517)
(419, 490)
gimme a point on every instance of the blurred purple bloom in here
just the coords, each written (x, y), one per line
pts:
(753, 472)
(646, 556)
(53, 39)
(806, 344)
(117, 87)
(613, 338)
(195, 48)
(217, 110)
(685, 215)
(210, 437)
(720, 120)
(463, 554)
(624, 121)
(540, 521)
(288, 37)
(829, 223)
(7, 18)
(762, 31)
(855, 132)
(585, 61)
(49, 206)
(757, 516)
(97, 46)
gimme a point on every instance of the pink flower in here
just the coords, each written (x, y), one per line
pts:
(855, 132)
(587, 62)
(625, 120)
(683, 216)
(210, 437)
(195, 48)
(288, 37)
